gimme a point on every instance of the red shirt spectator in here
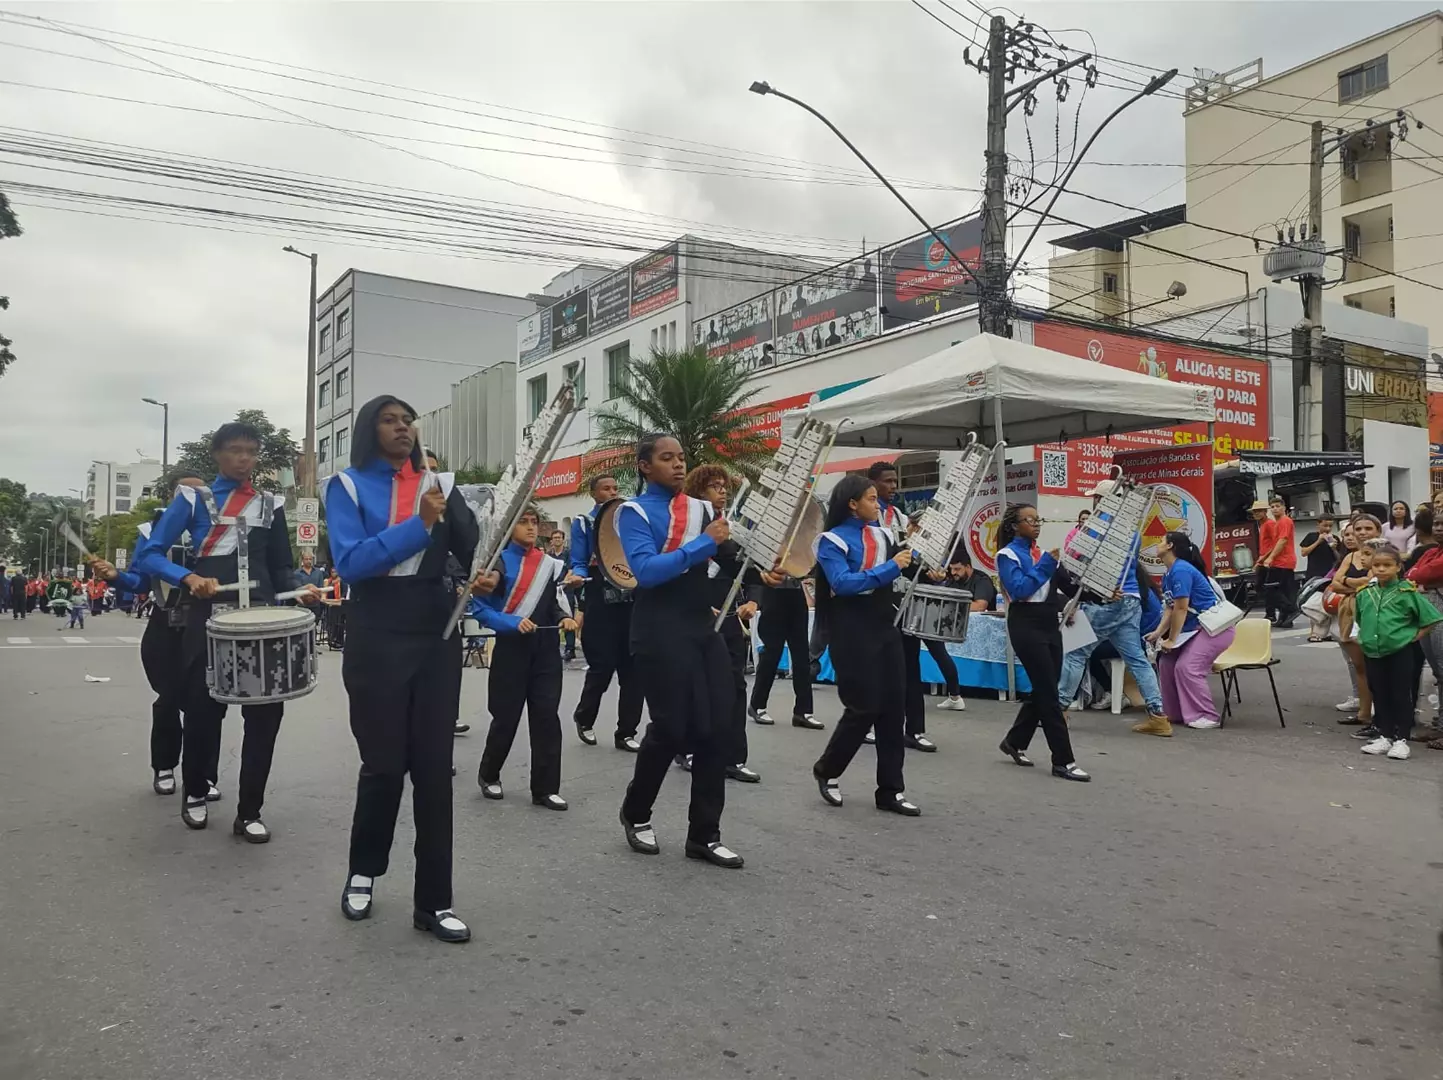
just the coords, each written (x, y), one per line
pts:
(1273, 529)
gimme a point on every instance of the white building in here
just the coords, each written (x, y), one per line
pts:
(377, 334)
(114, 487)
(478, 427)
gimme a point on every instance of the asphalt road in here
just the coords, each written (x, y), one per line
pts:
(1250, 902)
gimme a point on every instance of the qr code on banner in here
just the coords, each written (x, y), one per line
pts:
(1054, 469)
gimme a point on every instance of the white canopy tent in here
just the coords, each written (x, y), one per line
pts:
(1000, 388)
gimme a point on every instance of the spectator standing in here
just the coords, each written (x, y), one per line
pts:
(1322, 548)
(1277, 561)
(1392, 617)
(1399, 530)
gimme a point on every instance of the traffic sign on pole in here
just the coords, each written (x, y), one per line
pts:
(308, 510)
(307, 533)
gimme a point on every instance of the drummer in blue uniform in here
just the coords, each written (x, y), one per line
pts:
(669, 539)
(235, 447)
(391, 525)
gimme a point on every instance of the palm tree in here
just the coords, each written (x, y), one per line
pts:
(704, 402)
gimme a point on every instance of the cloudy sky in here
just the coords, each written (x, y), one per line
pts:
(556, 130)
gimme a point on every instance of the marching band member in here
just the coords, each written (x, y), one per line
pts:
(235, 447)
(454, 579)
(1036, 635)
(391, 525)
(669, 540)
(161, 658)
(712, 484)
(525, 612)
(854, 596)
(606, 631)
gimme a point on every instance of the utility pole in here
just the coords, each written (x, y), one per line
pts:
(1313, 296)
(993, 301)
(308, 447)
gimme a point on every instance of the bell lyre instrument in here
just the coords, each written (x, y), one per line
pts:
(1098, 553)
(927, 611)
(513, 492)
(769, 517)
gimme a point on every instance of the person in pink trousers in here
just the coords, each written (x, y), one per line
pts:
(1187, 651)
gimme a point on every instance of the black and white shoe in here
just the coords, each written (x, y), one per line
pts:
(870, 738)
(627, 743)
(356, 897)
(919, 742)
(252, 832)
(586, 735)
(1070, 771)
(460, 728)
(443, 924)
(164, 782)
(760, 716)
(212, 793)
(551, 802)
(831, 790)
(641, 838)
(715, 853)
(808, 721)
(193, 812)
(1015, 754)
(1367, 734)
(899, 804)
(743, 774)
(491, 789)
(683, 762)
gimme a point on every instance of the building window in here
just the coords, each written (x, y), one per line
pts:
(1392, 307)
(123, 489)
(323, 451)
(1390, 230)
(1349, 301)
(343, 325)
(653, 339)
(572, 371)
(1363, 80)
(325, 338)
(324, 397)
(341, 438)
(1353, 239)
(122, 505)
(617, 360)
(122, 478)
(535, 396)
(1109, 284)
(343, 384)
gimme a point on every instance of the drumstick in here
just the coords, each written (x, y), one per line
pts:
(291, 594)
(70, 535)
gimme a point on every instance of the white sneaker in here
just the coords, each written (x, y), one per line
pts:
(1351, 705)
(956, 704)
(1101, 702)
(1201, 725)
(1380, 745)
(1399, 750)
(1433, 700)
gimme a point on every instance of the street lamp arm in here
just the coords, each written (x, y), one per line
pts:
(764, 88)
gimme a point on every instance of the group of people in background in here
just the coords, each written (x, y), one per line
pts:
(60, 594)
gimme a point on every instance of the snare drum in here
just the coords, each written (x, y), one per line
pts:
(936, 613)
(260, 655)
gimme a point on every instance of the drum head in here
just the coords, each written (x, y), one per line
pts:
(256, 621)
(610, 557)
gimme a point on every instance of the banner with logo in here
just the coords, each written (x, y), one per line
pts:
(920, 279)
(568, 321)
(562, 477)
(827, 310)
(608, 302)
(982, 518)
(1239, 385)
(1183, 476)
(743, 331)
(655, 281)
(533, 338)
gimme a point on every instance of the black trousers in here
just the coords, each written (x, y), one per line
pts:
(402, 716)
(916, 700)
(783, 622)
(1037, 641)
(525, 674)
(736, 643)
(200, 743)
(162, 659)
(1391, 678)
(1280, 593)
(689, 692)
(605, 642)
(871, 674)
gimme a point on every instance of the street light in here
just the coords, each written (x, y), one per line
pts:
(109, 502)
(308, 449)
(164, 434)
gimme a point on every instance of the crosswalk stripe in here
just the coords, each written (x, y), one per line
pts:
(75, 641)
(129, 640)
(18, 640)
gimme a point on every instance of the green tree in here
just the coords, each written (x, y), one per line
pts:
(38, 532)
(278, 452)
(123, 529)
(9, 228)
(13, 505)
(704, 403)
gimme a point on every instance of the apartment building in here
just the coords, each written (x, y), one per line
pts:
(114, 487)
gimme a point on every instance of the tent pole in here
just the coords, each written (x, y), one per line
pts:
(1001, 467)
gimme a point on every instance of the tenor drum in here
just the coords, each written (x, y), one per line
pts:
(610, 557)
(260, 655)
(936, 613)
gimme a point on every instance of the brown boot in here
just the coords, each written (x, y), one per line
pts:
(1154, 725)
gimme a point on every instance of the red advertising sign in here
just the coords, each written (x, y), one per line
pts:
(767, 419)
(1240, 386)
(562, 477)
(1183, 477)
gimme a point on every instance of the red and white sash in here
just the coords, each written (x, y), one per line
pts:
(687, 520)
(237, 505)
(537, 574)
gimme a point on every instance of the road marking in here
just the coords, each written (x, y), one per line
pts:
(75, 641)
(18, 640)
(32, 648)
(129, 640)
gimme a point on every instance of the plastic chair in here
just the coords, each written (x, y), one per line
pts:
(1251, 650)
